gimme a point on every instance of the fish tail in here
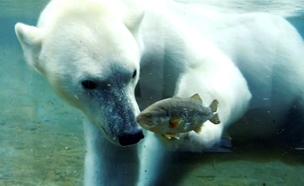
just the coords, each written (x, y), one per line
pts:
(213, 105)
(215, 119)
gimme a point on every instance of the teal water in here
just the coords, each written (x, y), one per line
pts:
(41, 139)
(42, 142)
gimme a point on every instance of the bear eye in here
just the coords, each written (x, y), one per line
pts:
(88, 84)
(134, 74)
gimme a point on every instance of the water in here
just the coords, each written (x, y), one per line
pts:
(42, 142)
(286, 8)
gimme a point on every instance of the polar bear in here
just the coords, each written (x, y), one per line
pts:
(93, 53)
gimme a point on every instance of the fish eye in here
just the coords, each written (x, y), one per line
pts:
(134, 74)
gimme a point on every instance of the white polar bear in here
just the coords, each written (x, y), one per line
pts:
(93, 51)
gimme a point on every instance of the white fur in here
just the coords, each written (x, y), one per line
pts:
(244, 61)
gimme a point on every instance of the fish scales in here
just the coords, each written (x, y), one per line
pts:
(188, 110)
(176, 115)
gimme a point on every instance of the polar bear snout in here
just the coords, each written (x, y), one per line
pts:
(130, 139)
(117, 114)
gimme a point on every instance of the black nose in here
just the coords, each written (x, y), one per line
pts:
(130, 139)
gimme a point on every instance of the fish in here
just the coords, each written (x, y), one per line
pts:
(176, 115)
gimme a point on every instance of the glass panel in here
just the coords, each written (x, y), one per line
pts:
(43, 141)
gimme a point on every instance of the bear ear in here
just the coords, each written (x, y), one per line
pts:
(30, 40)
(133, 20)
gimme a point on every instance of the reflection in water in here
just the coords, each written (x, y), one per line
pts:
(284, 8)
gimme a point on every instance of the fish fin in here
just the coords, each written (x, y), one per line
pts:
(174, 122)
(198, 129)
(215, 119)
(213, 105)
(171, 135)
(197, 97)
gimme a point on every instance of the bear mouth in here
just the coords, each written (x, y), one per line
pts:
(115, 116)
(124, 139)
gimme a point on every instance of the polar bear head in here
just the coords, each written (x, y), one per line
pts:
(90, 54)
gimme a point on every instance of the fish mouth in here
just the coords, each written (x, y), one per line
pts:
(144, 122)
(148, 125)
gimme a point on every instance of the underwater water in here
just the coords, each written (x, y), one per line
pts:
(42, 140)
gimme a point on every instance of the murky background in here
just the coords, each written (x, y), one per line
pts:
(42, 141)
